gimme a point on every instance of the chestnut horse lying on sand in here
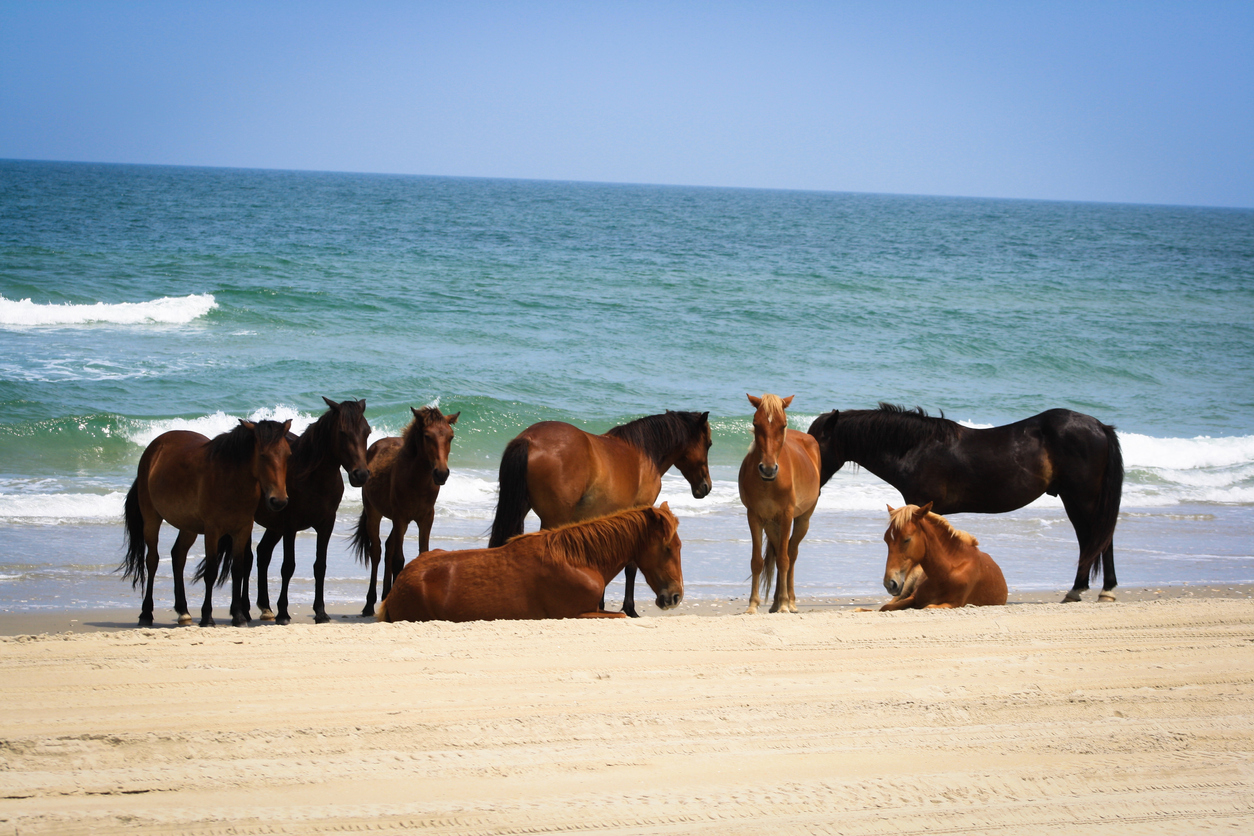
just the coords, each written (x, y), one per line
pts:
(558, 573)
(956, 572)
(779, 486)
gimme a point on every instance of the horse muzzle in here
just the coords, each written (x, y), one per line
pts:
(701, 490)
(275, 504)
(358, 477)
(892, 585)
(768, 474)
(669, 600)
(439, 476)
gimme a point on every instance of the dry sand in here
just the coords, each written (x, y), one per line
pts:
(1135, 717)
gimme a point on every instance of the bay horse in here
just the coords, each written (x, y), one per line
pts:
(314, 490)
(406, 475)
(991, 471)
(779, 486)
(210, 487)
(555, 573)
(566, 474)
(955, 572)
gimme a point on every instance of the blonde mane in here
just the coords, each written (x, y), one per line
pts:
(600, 542)
(772, 409)
(898, 518)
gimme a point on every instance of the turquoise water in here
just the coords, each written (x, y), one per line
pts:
(135, 299)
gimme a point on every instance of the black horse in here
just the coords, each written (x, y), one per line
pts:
(1059, 452)
(314, 489)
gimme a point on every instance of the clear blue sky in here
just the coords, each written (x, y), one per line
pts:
(1139, 102)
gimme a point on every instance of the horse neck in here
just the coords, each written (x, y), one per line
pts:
(856, 445)
(313, 451)
(603, 548)
(944, 546)
(659, 449)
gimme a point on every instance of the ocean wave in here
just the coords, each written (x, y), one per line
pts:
(59, 508)
(165, 311)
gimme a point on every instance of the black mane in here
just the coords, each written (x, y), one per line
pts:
(891, 428)
(236, 446)
(660, 435)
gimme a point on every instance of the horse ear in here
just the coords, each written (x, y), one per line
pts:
(331, 403)
(363, 405)
(788, 401)
(287, 425)
(665, 506)
(705, 417)
(417, 414)
(248, 425)
(923, 512)
(452, 419)
(755, 401)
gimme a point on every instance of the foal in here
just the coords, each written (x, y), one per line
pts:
(956, 572)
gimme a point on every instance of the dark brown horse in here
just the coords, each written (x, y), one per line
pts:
(567, 475)
(406, 475)
(209, 487)
(314, 489)
(955, 573)
(779, 486)
(559, 573)
(1059, 452)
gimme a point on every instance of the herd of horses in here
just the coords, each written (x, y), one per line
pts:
(594, 495)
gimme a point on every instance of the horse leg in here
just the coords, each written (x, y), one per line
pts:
(287, 570)
(755, 561)
(629, 593)
(241, 568)
(320, 572)
(782, 562)
(800, 526)
(178, 561)
(1080, 520)
(1108, 574)
(394, 554)
(210, 577)
(152, 557)
(264, 550)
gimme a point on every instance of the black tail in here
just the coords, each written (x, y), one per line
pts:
(1108, 499)
(223, 559)
(360, 544)
(512, 500)
(133, 567)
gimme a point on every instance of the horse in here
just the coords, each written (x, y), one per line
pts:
(955, 572)
(406, 475)
(567, 475)
(555, 573)
(209, 487)
(779, 486)
(314, 489)
(990, 471)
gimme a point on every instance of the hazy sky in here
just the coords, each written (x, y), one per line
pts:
(1138, 102)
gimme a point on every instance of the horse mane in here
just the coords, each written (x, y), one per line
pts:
(311, 448)
(659, 435)
(890, 427)
(900, 516)
(409, 438)
(598, 542)
(773, 408)
(236, 446)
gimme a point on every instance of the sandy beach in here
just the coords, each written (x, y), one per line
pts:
(1134, 717)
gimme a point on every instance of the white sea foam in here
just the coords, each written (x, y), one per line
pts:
(165, 311)
(54, 508)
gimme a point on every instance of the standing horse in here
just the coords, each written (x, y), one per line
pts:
(568, 475)
(314, 489)
(406, 475)
(1059, 452)
(779, 486)
(209, 487)
(956, 572)
(560, 573)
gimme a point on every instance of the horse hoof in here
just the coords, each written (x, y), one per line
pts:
(267, 615)
(1106, 595)
(631, 613)
(283, 620)
(1071, 597)
(368, 611)
(185, 619)
(208, 622)
(322, 619)
(239, 622)
(145, 621)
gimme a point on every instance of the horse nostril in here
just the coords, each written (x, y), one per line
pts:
(440, 476)
(277, 504)
(768, 473)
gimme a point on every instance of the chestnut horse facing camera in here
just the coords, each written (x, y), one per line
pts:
(405, 478)
(779, 486)
(210, 487)
(955, 572)
(559, 573)
(567, 475)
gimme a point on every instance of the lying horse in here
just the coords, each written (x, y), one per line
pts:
(779, 486)
(314, 489)
(406, 475)
(209, 487)
(991, 471)
(560, 573)
(568, 475)
(955, 572)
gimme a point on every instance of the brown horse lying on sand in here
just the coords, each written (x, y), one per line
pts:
(558, 573)
(955, 572)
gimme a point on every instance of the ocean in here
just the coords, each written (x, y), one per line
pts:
(138, 299)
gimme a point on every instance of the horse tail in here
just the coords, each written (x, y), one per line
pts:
(512, 500)
(768, 572)
(1108, 498)
(133, 567)
(223, 559)
(360, 544)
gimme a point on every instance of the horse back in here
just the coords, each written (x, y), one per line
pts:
(573, 475)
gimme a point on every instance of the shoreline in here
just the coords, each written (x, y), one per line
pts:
(114, 619)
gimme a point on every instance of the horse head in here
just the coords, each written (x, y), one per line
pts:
(770, 427)
(436, 438)
(694, 459)
(660, 562)
(269, 461)
(906, 544)
(832, 455)
(352, 431)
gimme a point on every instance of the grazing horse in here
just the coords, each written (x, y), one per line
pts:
(314, 489)
(559, 573)
(406, 475)
(990, 471)
(209, 487)
(956, 572)
(779, 486)
(568, 475)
